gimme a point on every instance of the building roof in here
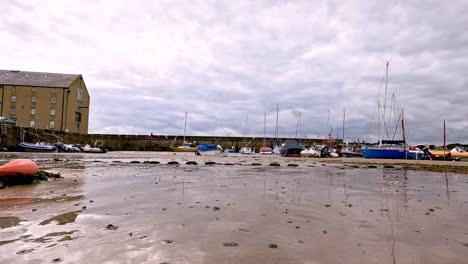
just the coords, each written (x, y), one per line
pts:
(37, 79)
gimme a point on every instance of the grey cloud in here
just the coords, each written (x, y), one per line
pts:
(147, 64)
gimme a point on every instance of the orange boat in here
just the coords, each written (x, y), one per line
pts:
(456, 152)
(19, 166)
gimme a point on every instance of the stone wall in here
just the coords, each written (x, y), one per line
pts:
(10, 136)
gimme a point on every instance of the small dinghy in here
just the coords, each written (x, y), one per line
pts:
(19, 166)
(38, 147)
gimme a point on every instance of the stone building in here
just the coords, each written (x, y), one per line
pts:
(42, 100)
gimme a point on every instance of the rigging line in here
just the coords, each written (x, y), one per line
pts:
(396, 128)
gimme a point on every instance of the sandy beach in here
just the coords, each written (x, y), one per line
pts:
(134, 207)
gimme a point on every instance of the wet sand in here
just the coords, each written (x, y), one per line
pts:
(126, 208)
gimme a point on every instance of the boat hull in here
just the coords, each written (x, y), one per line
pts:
(209, 152)
(453, 154)
(182, 149)
(384, 153)
(291, 152)
(29, 147)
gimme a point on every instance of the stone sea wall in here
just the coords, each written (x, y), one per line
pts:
(10, 136)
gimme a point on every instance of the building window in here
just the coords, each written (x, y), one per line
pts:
(52, 111)
(33, 111)
(32, 123)
(77, 117)
(33, 99)
(12, 110)
(13, 98)
(52, 124)
(54, 90)
(33, 89)
(53, 100)
(79, 95)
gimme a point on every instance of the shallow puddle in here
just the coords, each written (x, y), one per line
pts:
(8, 221)
(62, 219)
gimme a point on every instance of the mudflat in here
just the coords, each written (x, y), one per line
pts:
(148, 207)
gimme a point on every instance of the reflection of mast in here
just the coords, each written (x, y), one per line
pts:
(447, 188)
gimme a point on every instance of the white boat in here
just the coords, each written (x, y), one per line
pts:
(265, 150)
(88, 149)
(245, 150)
(310, 152)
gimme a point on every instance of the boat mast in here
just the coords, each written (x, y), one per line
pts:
(185, 126)
(264, 131)
(403, 128)
(277, 119)
(385, 96)
(380, 125)
(344, 116)
(445, 139)
(245, 131)
(300, 127)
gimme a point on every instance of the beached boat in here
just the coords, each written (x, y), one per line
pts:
(19, 167)
(186, 147)
(456, 152)
(265, 150)
(350, 152)
(209, 150)
(291, 149)
(384, 152)
(387, 149)
(61, 147)
(88, 149)
(310, 152)
(232, 149)
(38, 147)
(245, 150)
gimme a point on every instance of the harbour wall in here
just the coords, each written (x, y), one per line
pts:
(10, 136)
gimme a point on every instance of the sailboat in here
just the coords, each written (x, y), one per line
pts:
(390, 148)
(245, 149)
(277, 148)
(186, 147)
(347, 151)
(265, 150)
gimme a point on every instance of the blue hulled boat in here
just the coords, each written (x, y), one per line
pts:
(209, 150)
(38, 147)
(384, 153)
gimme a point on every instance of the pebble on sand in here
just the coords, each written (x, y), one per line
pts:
(230, 244)
(111, 227)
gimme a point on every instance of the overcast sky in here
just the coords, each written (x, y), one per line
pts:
(147, 64)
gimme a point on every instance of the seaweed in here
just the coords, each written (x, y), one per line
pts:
(22, 179)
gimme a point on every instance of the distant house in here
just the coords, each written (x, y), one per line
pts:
(42, 100)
